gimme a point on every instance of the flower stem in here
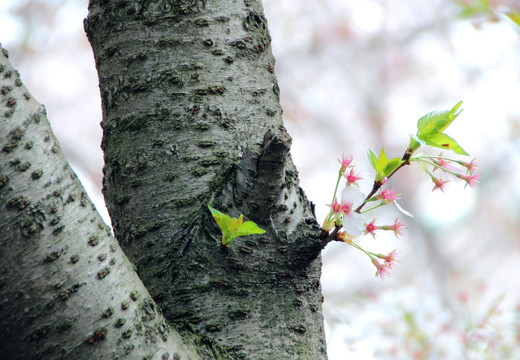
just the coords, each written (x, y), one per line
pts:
(336, 188)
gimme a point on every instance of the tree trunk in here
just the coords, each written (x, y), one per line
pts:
(191, 117)
(67, 291)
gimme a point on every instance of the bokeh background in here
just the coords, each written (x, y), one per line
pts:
(357, 74)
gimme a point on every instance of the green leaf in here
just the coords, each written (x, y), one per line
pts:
(382, 165)
(249, 228)
(436, 121)
(372, 158)
(233, 227)
(382, 162)
(392, 165)
(444, 141)
(221, 218)
(430, 130)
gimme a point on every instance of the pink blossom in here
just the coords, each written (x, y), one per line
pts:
(390, 258)
(439, 162)
(397, 227)
(346, 208)
(472, 166)
(352, 177)
(470, 179)
(388, 195)
(345, 162)
(443, 164)
(383, 270)
(439, 183)
(335, 206)
(371, 228)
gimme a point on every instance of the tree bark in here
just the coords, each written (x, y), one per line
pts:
(67, 291)
(191, 116)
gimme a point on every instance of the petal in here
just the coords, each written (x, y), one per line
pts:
(401, 209)
(352, 195)
(354, 223)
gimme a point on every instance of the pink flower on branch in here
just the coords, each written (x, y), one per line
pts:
(397, 227)
(335, 207)
(470, 179)
(352, 177)
(371, 228)
(443, 164)
(440, 183)
(383, 269)
(345, 162)
(472, 166)
(390, 258)
(389, 195)
(346, 208)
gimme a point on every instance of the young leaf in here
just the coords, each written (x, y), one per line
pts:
(382, 162)
(392, 165)
(372, 158)
(249, 228)
(436, 121)
(382, 165)
(444, 141)
(233, 227)
(430, 130)
(221, 218)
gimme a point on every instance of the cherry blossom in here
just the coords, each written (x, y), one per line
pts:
(345, 162)
(440, 183)
(335, 206)
(383, 269)
(443, 164)
(389, 195)
(470, 179)
(352, 177)
(472, 166)
(396, 227)
(371, 228)
(390, 258)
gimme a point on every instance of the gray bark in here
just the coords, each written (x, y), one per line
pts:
(67, 291)
(191, 116)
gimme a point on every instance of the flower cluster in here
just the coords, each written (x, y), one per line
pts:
(449, 169)
(347, 212)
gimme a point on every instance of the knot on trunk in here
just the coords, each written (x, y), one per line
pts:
(260, 177)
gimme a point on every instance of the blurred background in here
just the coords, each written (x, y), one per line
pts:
(355, 75)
